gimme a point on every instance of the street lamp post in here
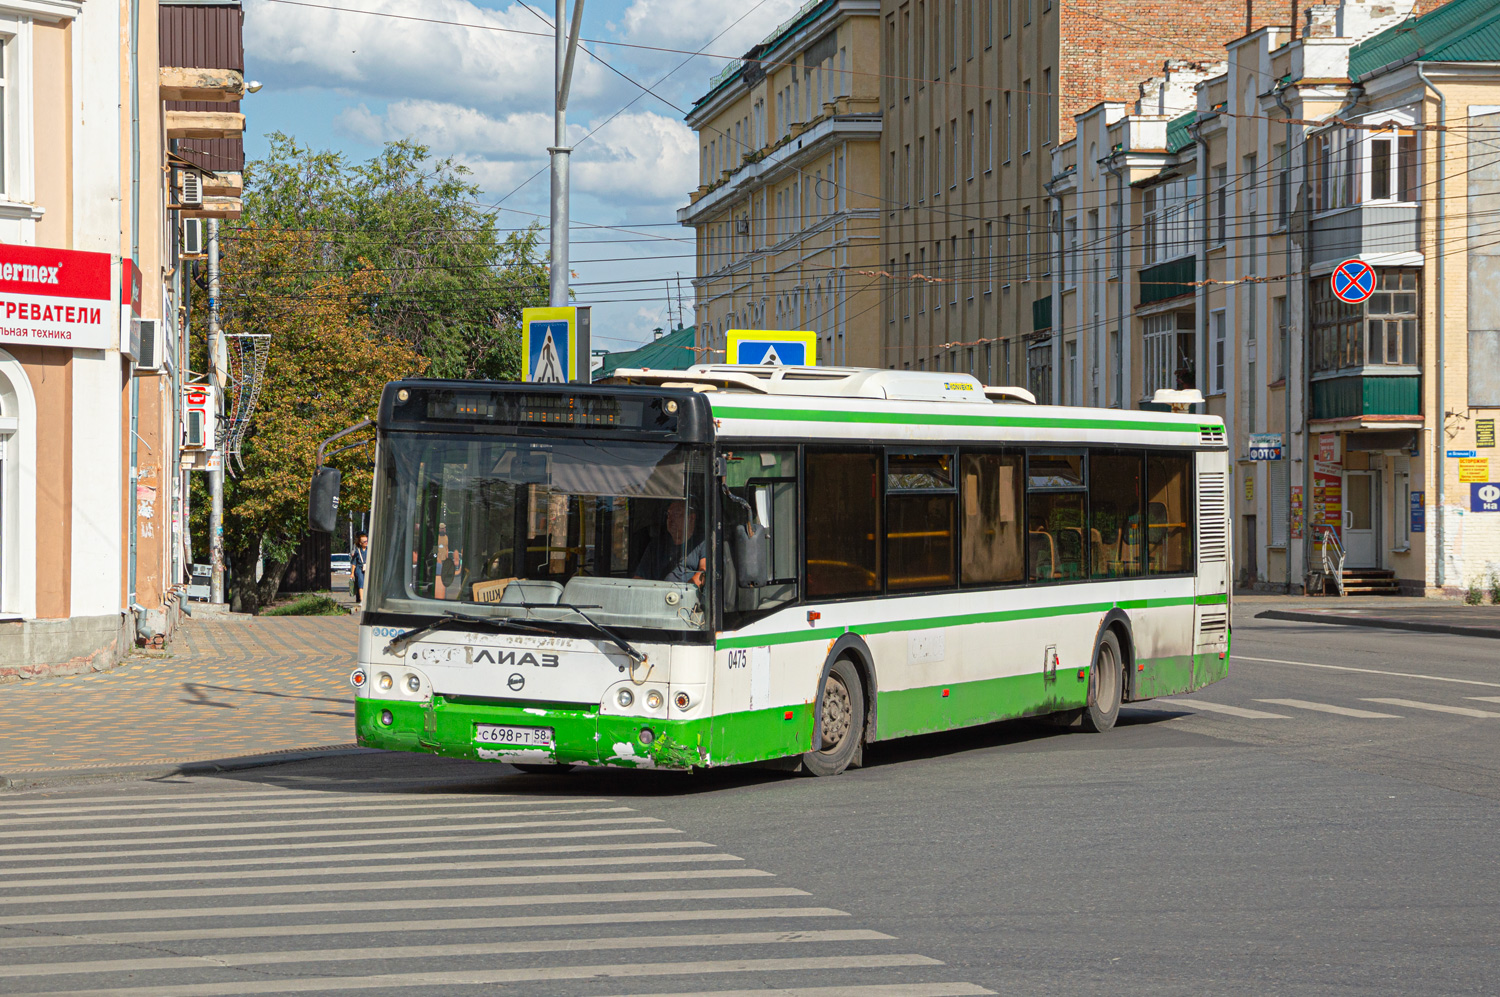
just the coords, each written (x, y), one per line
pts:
(560, 151)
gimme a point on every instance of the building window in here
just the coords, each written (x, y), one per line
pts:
(1007, 259)
(1384, 330)
(1072, 372)
(989, 22)
(1039, 370)
(1026, 118)
(1283, 185)
(1283, 336)
(1218, 347)
(1008, 130)
(989, 270)
(937, 163)
(953, 265)
(957, 152)
(1047, 120)
(989, 135)
(1168, 344)
(972, 152)
(1008, 13)
(971, 277)
(921, 161)
(1221, 203)
(1026, 243)
(1406, 167)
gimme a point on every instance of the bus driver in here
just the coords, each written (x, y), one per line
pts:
(665, 559)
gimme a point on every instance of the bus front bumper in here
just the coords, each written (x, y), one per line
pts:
(579, 736)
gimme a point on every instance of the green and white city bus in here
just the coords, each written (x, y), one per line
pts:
(737, 564)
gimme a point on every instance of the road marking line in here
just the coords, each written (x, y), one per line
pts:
(394, 927)
(393, 831)
(398, 884)
(290, 794)
(1342, 711)
(428, 903)
(358, 870)
(1485, 699)
(873, 990)
(527, 975)
(1233, 711)
(13, 820)
(348, 854)
(1366, 671)
(290, 821)
(1462, 711)
(452, 951)
(281, 798)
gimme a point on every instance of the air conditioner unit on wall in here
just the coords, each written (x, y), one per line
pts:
(192, 190)
(192, 238)
(146, 344)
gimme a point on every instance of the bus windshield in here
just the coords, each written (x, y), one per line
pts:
(538, 529)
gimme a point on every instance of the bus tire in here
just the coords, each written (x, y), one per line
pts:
(1106, 685)
(533, 768)
(840, 728)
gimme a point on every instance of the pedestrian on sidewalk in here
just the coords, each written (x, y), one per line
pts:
(357, 561)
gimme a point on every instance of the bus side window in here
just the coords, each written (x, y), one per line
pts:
(994, 546)
(1056, 530)
(1115, 533)
(760, 530)
(843, 524)
(1169, 510)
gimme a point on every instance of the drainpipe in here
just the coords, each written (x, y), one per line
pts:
(1441, 441)
(135, 257)
(1286, 378)
(1113, 169)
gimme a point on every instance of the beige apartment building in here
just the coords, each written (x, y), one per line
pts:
(1244, 184)
(787, 211)
(977, 94)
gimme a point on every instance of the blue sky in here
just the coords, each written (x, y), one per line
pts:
(349, 81)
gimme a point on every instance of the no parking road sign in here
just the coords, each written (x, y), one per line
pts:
(772, 346)
(1353, 282)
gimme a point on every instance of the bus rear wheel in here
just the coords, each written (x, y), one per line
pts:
(1106, 683)
(841, 715)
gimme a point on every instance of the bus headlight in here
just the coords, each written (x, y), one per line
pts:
(384, 680)
(653, 700)
(413, 683)
(625, 698)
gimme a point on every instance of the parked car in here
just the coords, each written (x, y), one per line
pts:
(340, 564)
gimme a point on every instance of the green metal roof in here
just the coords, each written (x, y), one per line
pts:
(1178, 136)
(674, 351)
(1460, 31)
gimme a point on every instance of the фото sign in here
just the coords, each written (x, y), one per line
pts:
(1265, 446)
(56, 297)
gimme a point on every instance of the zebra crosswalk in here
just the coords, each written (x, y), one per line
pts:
(198, 893)
(1300, 705)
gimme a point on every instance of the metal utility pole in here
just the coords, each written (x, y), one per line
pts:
(215, 475)
(567, 49)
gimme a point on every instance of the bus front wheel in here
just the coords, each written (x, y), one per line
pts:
(841, 714)
(1105, 684)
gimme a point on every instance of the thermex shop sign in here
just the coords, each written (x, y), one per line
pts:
(56, 297)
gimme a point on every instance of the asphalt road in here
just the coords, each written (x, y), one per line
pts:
(1321, 822)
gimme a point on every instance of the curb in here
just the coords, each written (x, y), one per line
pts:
(63, 777)
(1380, 623)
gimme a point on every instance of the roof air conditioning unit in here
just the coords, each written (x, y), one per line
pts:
(145, 341)
(192, 238)
(192, 190)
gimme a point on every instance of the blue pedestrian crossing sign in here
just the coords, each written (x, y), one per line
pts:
(1353, 282)
(555, 344)
(776, 347)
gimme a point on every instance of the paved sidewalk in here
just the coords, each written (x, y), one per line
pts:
(1444, 616)
(229, 686)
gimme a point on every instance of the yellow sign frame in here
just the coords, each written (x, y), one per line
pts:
(808, 339)
(531, 315)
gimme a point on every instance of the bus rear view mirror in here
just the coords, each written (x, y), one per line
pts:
(752, 555)
(323, 499)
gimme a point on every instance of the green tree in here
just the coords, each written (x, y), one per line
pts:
(325, 371)
(455, 284)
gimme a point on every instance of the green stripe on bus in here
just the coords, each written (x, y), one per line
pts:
(946, 419)
(932, 622)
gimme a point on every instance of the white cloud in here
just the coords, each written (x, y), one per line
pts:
(638, 158)
(389, 57)
(689, 24)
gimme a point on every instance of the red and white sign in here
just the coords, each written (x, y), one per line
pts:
(56, 297)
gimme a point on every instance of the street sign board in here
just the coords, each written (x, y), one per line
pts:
(1419, 512)
(1265, 446)
(1484, 433)
(1484, 497)
(555, 344)
(1474, 470)
(780, 347)
(1462, 453)
(1353, 282)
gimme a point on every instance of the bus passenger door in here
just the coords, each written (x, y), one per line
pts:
(1211, 619)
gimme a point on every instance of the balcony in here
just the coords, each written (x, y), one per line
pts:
(185, 83)
(1365, 231)
(1171, 279)
(1363, 394)
(204, 124)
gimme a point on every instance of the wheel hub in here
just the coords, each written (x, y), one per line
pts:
(837, 714)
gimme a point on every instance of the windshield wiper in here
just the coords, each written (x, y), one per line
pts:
(608, 634)
(453, 620)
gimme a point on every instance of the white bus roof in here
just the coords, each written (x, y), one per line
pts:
(855, 403)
